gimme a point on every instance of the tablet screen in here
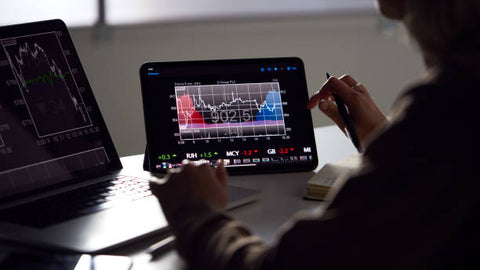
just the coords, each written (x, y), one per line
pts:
(250, 113)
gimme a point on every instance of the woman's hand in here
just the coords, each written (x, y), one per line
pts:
(365, 114)
(195, 181)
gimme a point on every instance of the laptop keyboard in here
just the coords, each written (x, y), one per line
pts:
(79, 202)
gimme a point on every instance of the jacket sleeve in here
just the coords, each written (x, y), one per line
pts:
(209, 238)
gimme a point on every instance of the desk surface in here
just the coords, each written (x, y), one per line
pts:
(281, 197)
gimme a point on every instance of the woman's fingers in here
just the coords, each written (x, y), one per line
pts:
(314, 100)
(331, 111)
(365, 114)
(354, 85)
(348, 80)
(331, 86)
(324, 99)
(342, 89)
(221, 173)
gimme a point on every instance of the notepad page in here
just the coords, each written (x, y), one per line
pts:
(330, 172)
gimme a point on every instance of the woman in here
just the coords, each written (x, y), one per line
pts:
(414, 202)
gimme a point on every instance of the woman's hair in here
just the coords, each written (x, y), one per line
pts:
(444, 27)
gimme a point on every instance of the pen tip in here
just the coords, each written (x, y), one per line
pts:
(328, 75)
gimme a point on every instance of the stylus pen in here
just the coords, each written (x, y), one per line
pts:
(156, 250)
(352, 134)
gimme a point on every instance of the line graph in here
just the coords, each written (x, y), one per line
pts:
(46, 83)
(229, 110)
(47, 78)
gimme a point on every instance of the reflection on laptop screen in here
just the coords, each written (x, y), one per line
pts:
(51, 129)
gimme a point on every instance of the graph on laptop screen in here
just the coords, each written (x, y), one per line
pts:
(49, 122)
(46, 84)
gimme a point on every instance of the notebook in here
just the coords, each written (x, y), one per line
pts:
(320, 184)
(60, 186)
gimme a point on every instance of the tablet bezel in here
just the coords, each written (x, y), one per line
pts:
(301, 113)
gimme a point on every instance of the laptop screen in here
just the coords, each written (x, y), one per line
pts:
(251, 113)
(51, 129)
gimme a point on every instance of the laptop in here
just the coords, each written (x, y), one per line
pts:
(250, 113)
(60, 186)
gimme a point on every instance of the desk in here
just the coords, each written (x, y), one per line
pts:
(281, 197)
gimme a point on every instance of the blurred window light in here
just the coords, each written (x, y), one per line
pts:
(77, 13)
(123, 12)
(73, 12)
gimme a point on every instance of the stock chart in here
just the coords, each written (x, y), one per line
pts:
(229, 111)
(46, 83)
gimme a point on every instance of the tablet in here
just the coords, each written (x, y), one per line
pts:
(249, 113)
